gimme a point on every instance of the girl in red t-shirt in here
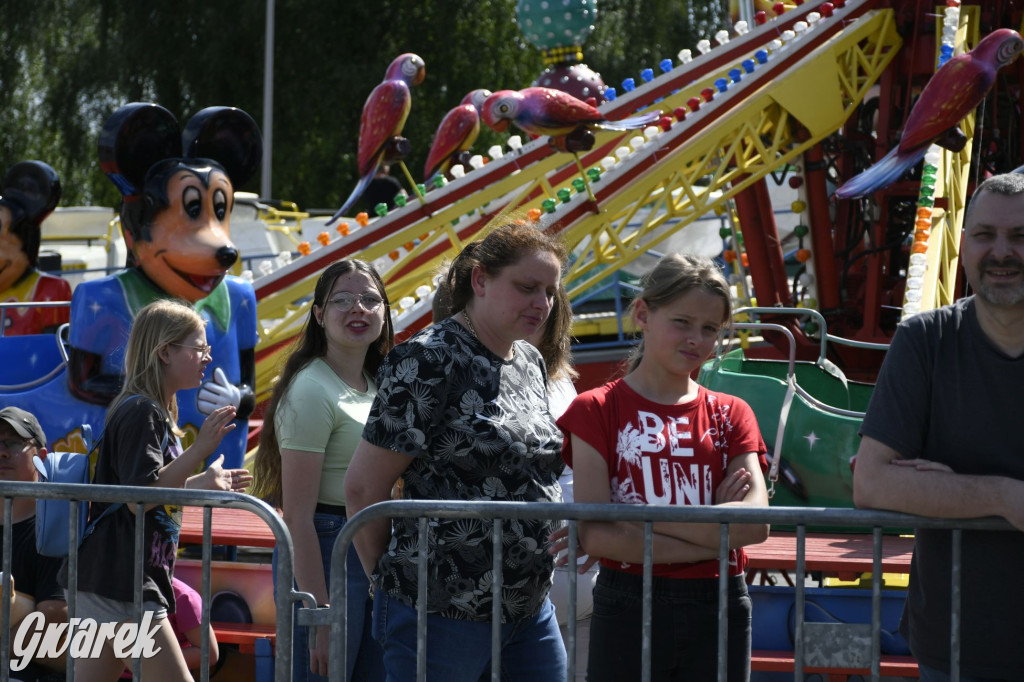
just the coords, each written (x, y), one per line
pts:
(656, 436)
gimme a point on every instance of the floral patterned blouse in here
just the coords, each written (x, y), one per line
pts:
(477, 427)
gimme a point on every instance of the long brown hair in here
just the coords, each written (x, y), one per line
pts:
(501, 248)
(312, 344)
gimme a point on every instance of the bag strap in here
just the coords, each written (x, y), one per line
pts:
(787, 404)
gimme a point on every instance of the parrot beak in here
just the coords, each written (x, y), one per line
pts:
(500, 126)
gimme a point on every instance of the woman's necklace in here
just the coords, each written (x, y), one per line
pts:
(469, 324)
(472, 329)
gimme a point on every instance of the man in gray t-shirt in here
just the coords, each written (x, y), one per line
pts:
(941, 439)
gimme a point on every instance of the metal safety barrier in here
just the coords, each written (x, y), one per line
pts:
(498, 512)
(142, 497)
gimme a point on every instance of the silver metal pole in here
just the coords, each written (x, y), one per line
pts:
(268, 102)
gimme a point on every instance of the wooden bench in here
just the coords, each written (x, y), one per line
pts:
(231, 527)
(836, 554)
(783, 661)
(251, 639)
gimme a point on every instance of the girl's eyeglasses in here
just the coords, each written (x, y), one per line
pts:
(205, 350)
(345, 302)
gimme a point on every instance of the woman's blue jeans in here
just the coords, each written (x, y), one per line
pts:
(460, 650)
(684, 629)
(364, 658)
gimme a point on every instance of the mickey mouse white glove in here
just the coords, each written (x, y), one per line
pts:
(218, 393)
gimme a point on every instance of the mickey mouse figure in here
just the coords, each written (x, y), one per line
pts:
(178, 192)
(30, 191)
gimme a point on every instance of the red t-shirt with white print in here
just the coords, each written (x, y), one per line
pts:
(664, 454)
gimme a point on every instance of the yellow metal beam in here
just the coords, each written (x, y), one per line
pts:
(702, 175)
(736, 152)
(951, 181)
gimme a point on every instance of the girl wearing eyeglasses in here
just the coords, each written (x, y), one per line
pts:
(312, 425)
(141, 446)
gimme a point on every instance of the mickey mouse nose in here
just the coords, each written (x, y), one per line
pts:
(227, 255)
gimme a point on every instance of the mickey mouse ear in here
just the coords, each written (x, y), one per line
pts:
(227, 135)
(134, 138)
(34, 186)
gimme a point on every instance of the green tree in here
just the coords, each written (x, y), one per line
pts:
(58, 86)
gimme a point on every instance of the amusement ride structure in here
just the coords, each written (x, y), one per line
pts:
(806, 95)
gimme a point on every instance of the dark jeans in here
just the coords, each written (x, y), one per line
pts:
(684, 629)
(364, 657)
(460, 650)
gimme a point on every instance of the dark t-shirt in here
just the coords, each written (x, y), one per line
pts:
(33, 574)
(946, 394)
(131, 454)
(477, 427)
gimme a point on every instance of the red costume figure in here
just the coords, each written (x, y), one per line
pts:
(29, 193)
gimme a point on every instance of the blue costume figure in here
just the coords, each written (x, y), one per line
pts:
(175, 217)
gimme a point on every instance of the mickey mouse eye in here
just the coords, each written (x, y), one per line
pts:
(220, 204)
(192, 202)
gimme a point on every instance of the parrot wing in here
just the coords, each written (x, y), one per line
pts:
(881, 174)
(953, 92)
(457, 132)
(632, 123)
(384, 116)
(361, 186)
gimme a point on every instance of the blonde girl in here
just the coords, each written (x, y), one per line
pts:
(141, 446)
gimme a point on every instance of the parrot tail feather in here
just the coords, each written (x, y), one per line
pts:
(633, 122)
(361, 186)
(882, 174)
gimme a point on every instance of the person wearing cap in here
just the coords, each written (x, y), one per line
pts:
(34, 575)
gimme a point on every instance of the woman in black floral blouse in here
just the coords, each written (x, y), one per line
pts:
(462, 414)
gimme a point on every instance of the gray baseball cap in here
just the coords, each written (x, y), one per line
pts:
(24, 423)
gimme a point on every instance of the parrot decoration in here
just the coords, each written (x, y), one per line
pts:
(380, 127)
(957, 88)
(456, 134)
(567, 120)
(546, 111)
